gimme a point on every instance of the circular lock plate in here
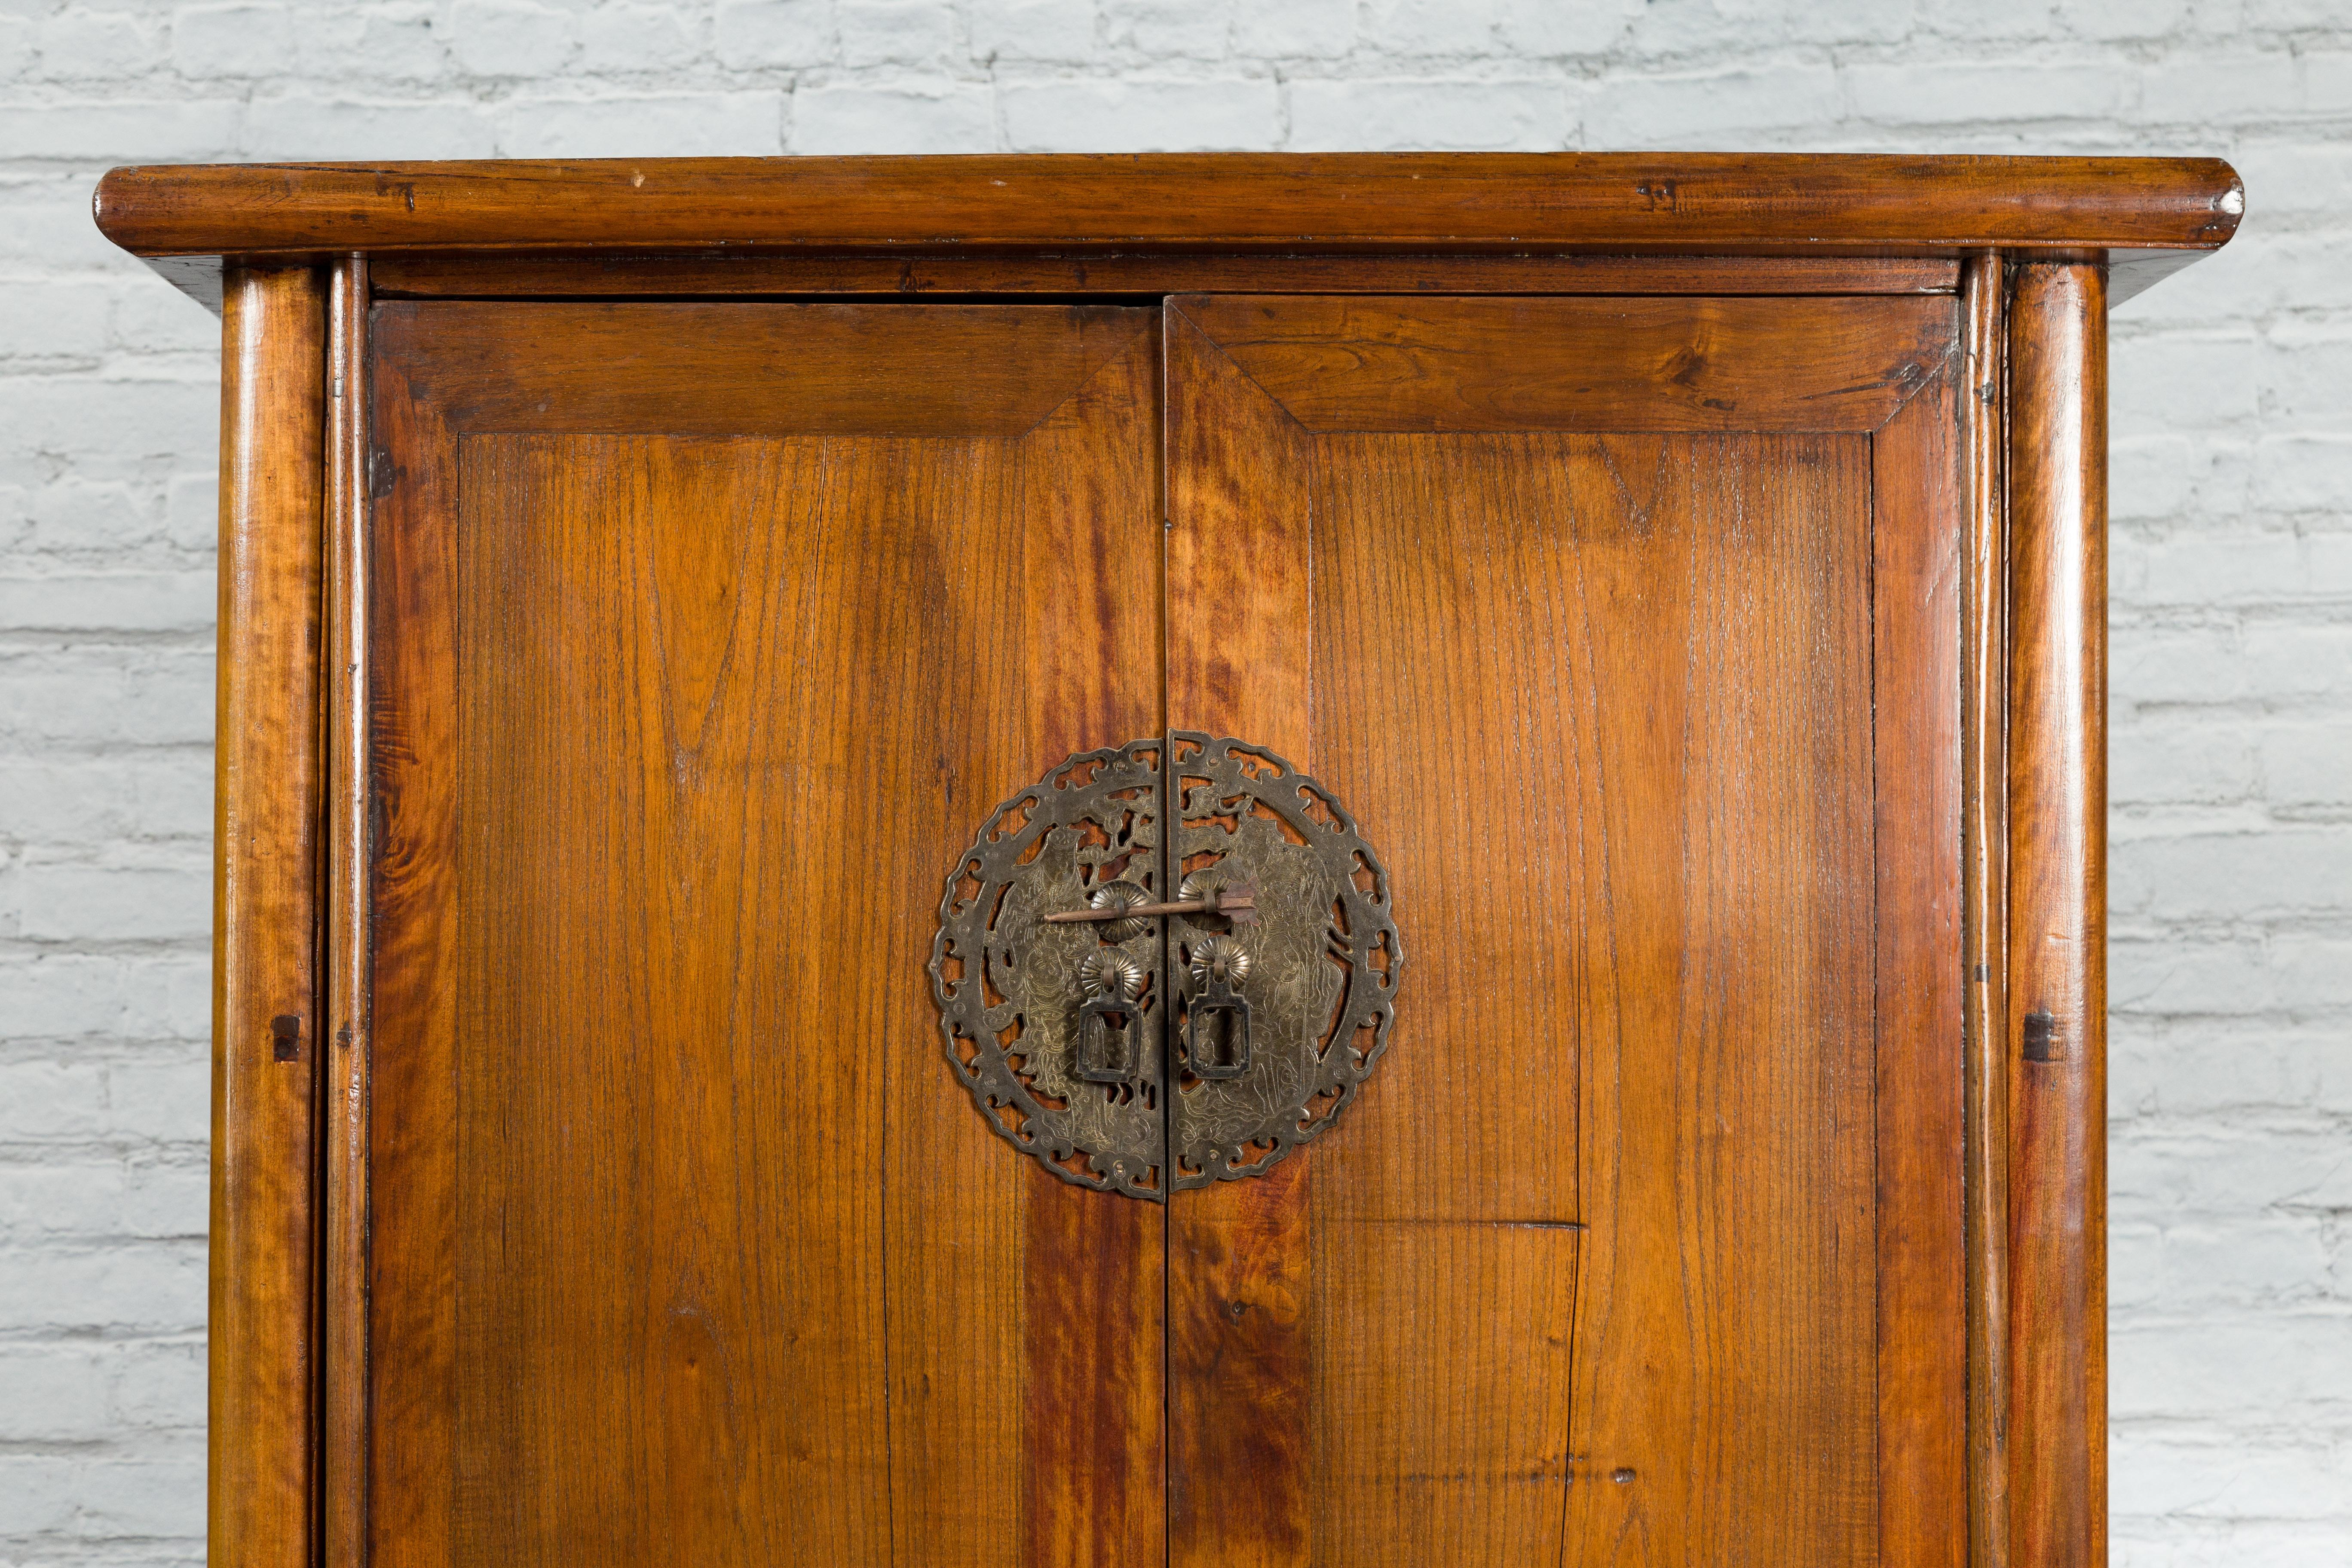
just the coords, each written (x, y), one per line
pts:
(1315, 957)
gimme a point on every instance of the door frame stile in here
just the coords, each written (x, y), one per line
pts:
(1171, 819)
(1983, 871)
(344, 1402)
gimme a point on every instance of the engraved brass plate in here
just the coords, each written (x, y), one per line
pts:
(1323, 958)
(1107, 996)
(1012, 989)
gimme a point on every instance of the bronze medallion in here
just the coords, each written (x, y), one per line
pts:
(1099, 1022)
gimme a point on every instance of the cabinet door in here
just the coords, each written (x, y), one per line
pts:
(1627, 630)
(706, 633)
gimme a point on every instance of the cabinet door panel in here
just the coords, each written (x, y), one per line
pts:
(708, 634)
(1626, 630)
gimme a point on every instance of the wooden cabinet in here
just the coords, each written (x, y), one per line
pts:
(1679, 583)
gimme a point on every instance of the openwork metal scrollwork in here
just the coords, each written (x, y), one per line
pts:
(1320, 972)
(1139, 1043)
(1012, 1003)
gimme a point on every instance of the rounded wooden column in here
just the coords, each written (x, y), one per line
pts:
(265, 914)
(2057, 916)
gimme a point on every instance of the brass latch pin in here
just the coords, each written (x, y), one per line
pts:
(1237, 903)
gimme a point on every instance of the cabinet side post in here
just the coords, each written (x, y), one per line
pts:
(2056, 1026)
(343, 1290)
(266, 923)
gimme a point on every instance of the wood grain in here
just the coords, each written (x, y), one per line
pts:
(263, 1346)
(1446, 1225)
(686, 1245)
(1984, 854)
(2056, 1027)
(496, 275)
(1916, 701)
(1606, 699)
(1722, 1336)
(1608, 202)
(1441, 365)
(343, 1387)
(413, 753)
(779, 370)
(671, 1292)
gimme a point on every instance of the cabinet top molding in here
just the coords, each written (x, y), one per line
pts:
(1663, 203)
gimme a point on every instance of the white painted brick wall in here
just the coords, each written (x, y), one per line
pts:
(2232, 777)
